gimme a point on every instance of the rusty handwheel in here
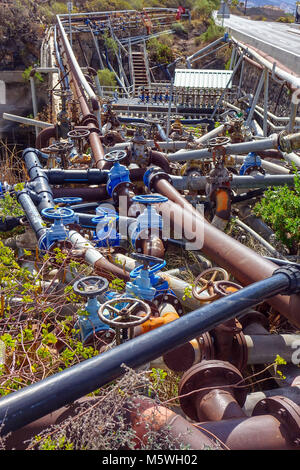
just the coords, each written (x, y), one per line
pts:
(202, 284)
(218, 142)
(223, 288)
(124, 313)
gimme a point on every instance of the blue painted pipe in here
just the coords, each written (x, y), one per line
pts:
(37, 400)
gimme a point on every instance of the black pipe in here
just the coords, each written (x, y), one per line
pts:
(9, 223)
(247, 196)
(35, 220)
(89, 177)
(38, 178)
(37, 400)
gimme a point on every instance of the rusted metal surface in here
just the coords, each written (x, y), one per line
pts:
(215, 328)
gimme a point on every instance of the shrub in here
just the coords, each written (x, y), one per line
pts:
(280, 208)
(285, 19)
(160, 53)
(179, 29)
(213, 32)
(107, 78)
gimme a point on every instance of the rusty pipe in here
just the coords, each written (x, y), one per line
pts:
(145, 415)
(93, 257)
(153, 246)
(254, 433)
(159, 159)
(244, 264)
(44, 136)
(215, 396)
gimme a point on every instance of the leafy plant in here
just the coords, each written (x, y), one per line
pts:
(107, 78)
(27, 73)
(280, 208)
(159, 52)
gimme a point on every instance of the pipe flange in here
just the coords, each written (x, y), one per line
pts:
(153, 175)
(125, 188)
(253, 316)
(283, 142)
(169, 299)
(285, 410)
(207, 374)
(293, 275)
(185, 356)
(254, 168)
(239, 351)
(89, 119)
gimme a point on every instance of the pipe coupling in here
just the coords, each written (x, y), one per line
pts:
(288, 142)
(293, 274)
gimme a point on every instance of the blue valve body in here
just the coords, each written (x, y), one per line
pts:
(252, 160)
(91, 323)
(118, 174)
(57, 231)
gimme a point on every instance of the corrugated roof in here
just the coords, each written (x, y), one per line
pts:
(197, 78)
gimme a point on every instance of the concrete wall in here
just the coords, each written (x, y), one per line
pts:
(15, 98)
(287, 58)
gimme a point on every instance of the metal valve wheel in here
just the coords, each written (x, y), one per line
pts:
(78, 133)
(202, 284)
(90, 286)
(134, 313)
(218, 142)
(58, 147)
(147, 259)
(53, 213)
(223, 288)
(115, 156)
(149, 198)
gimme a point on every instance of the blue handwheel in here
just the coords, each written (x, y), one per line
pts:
(57, 213)
(147, 259)
(115, 156)
(149, 198)
(68, 200)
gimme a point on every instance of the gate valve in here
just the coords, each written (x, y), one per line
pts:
(57, 231)
(59, 150)
(139, 152)
(124, 313)
(146, 284)
(148, 221)
(118, 175)
(106, 233)
(78, 136)
(202, 284)
(251, 163)
(90, 287)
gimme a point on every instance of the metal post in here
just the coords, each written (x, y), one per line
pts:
(34, 101)
(255, 99)
(227, 85)
(293, 114)
(70, 8)
(232, 59)
(266, 97)
(169, 108)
